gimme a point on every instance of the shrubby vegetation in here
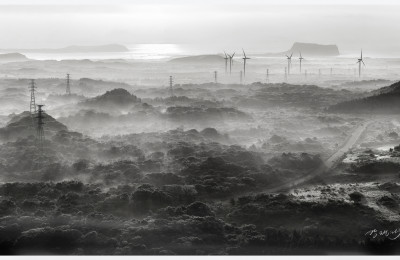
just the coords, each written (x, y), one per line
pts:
(74, 218)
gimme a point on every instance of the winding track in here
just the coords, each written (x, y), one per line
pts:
(328, 163)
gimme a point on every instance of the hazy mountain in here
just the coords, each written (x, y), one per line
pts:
(310, 49)
(199, 58)
(78, 48)
(385, 100)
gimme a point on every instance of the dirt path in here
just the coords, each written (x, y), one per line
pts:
(328, 163)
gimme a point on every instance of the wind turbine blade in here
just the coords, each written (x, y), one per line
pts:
(361, 53)
(363, 63)
(287, 56)
(244, 54)
(291, 55)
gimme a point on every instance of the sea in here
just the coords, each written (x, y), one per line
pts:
(136, 52)
(168, 51)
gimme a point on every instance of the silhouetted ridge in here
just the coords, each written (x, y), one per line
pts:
(385, 100)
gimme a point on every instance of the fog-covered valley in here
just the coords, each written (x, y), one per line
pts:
(132, 165)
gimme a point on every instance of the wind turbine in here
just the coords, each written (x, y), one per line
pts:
(226, 62)
(244, 63)
(301, 59)
(289, 61)
(359, 64)
(230, 62)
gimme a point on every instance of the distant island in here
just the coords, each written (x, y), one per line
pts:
(75, 49)
(310, 49)
(199, 58)
(11, 57)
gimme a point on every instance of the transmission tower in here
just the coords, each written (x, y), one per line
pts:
(40, 123)
(171, 83)
(285, 74)
(32, 87)
(68, 89)
(215, 77)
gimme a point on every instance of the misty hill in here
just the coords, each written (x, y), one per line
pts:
(311, 49)
(288, 95)
(78, 48)
(116, 102)
(11, 57)
(23, 125)
(199, 59)
(118, 97)
(385, 100)
(204, 114)
(393, 88)
(366, 84)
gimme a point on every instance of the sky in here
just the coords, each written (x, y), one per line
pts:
(259, 26)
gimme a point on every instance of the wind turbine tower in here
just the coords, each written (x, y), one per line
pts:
(289, 61)
(226, 62)
(32, 88)
(230, 62)
(285, 74)
(244, 63)
(68, 89)
(300, 59)
(359, 64)
(215, 77)
(267, 79)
